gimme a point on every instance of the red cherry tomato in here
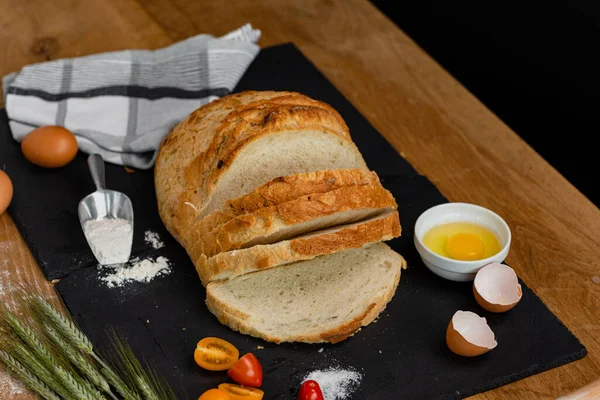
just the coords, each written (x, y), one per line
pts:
(247, 371)
(310, 390)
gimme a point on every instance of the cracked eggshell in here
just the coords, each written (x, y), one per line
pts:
(469, 335)
(496, 288)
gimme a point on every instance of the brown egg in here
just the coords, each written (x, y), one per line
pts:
(469, 335)
(50, 146)
(496, 288)
(6, 191)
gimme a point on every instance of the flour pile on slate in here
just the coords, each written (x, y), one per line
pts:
(136, 271)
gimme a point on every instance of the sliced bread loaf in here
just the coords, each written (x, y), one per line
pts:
(239, 262)
(225, 150)
(326, 299)
(278, 191)
(296, 217)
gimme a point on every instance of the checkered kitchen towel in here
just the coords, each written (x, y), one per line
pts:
(122, 104)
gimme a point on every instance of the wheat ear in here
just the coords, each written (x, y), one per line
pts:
(134, 372)
(39, 349)
(119, 385)
(28, 359)
(79, 389)
(145, 388)
(31, 339)
(85, 366)
(78, 339)
(27, 377)
(33, 352)
(64, 325)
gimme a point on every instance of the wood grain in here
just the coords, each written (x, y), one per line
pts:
(434, 122)
(588, 392)
(18, 269)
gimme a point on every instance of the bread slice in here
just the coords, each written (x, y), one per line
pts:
(291, 187)
(276, 192)
(227, 149)
(296, 217)
(239, 262)
(326, 299)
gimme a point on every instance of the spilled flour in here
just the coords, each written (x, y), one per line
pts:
(5, 286)
(136, 271)
(152, 239)
(5, 279)
(9, 386)
(336, 383)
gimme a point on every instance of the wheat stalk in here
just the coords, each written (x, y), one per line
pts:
(120, 385)
(131, 368)
(64, 325)
(78, 388)
(28, 359)
(36, 355)
(46, 363)
(91, 388)
(85, 366)
(46, 358)
(27, 377)
(38, 349)
(31, 339)
(146, 389)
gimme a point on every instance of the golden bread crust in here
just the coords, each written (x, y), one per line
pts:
(273, 193)
(238, 231)
(238, 262)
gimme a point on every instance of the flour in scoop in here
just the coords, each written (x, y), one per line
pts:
(336, 383)
(110, 239)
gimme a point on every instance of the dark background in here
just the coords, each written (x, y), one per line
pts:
(534, 64)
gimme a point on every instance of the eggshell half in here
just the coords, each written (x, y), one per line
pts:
(469, 335)
(6, 191)
(496, 288)
(49, 146)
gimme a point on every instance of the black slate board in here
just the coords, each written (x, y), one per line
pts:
(402, 355)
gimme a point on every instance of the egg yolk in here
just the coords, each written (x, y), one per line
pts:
(462, 241)
(465, 247)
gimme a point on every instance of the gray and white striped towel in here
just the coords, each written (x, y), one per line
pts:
(122, 104)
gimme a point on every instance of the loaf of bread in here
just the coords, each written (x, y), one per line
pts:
(231, 146)
(282, 218)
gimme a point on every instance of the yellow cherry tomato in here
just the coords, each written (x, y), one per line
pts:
(214, 394)
(215, 354)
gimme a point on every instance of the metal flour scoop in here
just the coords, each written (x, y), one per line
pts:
(106, 217)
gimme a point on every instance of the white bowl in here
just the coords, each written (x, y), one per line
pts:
(448, 268)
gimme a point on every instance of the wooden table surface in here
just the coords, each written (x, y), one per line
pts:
(434, 122)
